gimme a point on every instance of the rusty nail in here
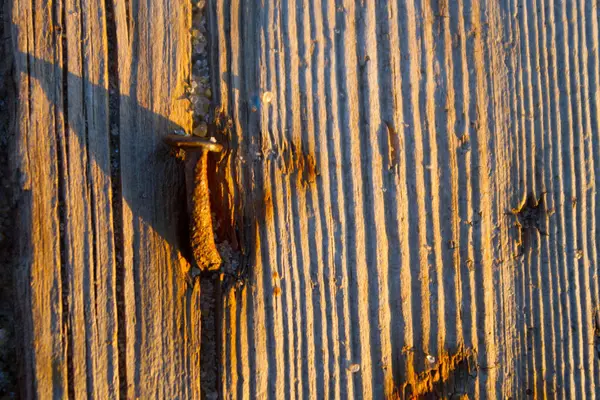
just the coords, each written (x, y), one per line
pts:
(206, 255)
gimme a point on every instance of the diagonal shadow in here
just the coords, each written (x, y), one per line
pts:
(142, 174)
(155, 193)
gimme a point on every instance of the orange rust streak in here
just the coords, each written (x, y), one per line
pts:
(442, 378)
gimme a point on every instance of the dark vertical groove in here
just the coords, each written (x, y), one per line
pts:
(530, 259)
(445, 208)
(548, 243)
(310, 259)
(270, 301)
(389, 107)
(116, 192)
(428, 344)
(61, 164)
(249, 239)
(461, 126)
(477, 136)
(368, 200)
(127, 18)
(523, 182)
(218, 296)
(295, 205)
(547, 285)
(577, 126)
(219, 322)
(556, 231)
(550, 156)
(238, 343)
(278, 226)
(518, 344)
(28, 58)
(410, 178)
(347, 185)
(87, 279)
(492, 121)
(290, 202)
(566, 214)
(322, 148)
(329, 25)
(210, 355)
(322, 320)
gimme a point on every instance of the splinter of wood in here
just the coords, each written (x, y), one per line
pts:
(206, 255)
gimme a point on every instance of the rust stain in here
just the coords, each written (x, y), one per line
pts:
(222, 184)
(447, 376)
(299, 162)
(393, 146)
(266, 207)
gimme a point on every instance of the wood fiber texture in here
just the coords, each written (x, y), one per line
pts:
(378, 195)
(107, 311)
(375, 198)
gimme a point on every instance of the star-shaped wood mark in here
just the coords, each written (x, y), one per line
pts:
(530, 215)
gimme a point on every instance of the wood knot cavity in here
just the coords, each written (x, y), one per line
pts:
(530, 217)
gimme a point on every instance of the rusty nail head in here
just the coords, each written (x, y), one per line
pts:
(192, 142)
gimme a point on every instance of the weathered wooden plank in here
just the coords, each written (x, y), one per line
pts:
(376, 191)
(107, 306)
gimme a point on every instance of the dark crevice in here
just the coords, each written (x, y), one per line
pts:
(33, 27)
(127, 20)
(65, 74)
(30, 50)
(212, 282)
(10, 324)
(115, 177)
(218, 318)
(89, 182)
(29, 99)
(91, 278)
(62, 165)
(209, 333)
